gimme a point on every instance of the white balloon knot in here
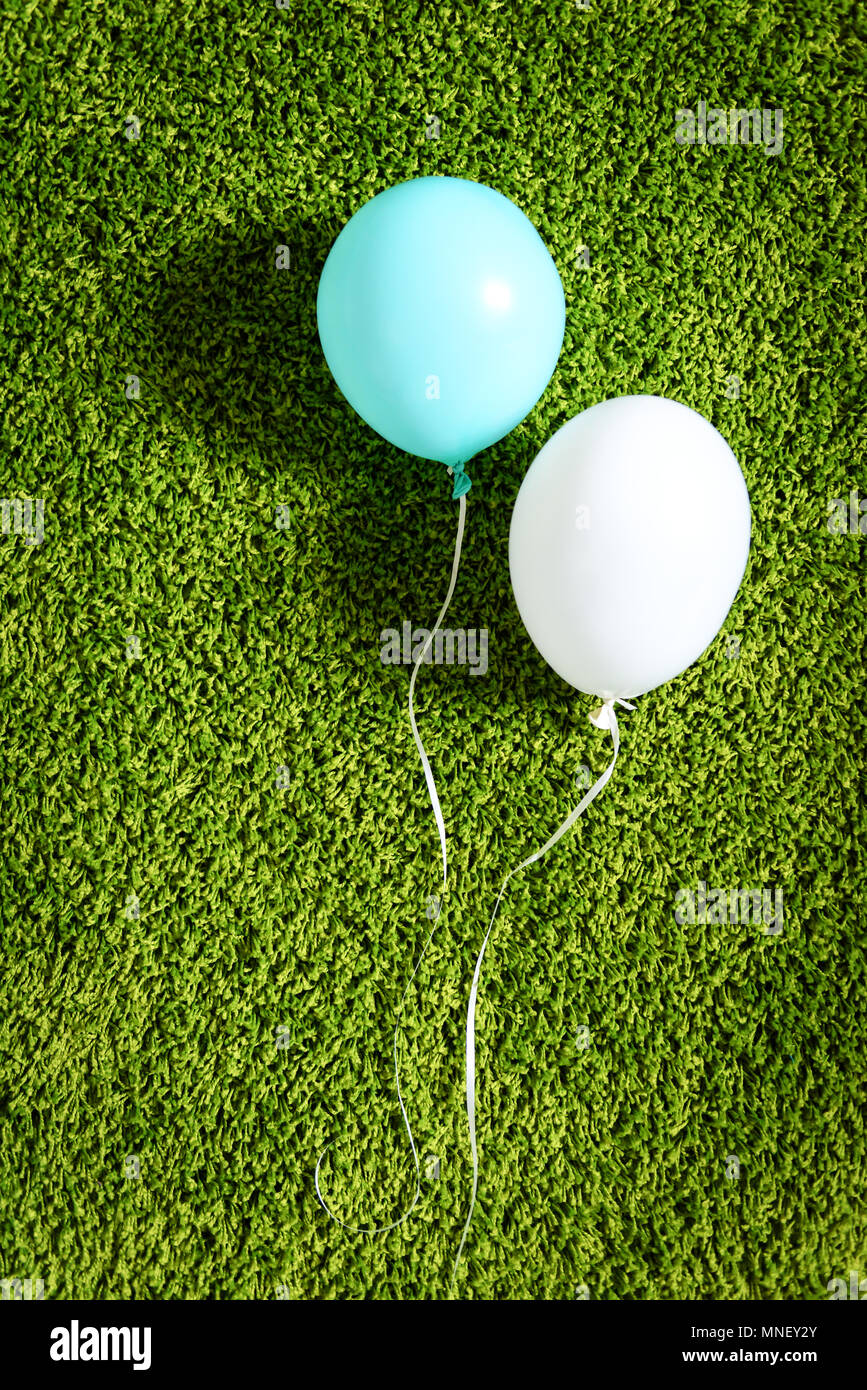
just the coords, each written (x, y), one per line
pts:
(601, 717)
(604, 715)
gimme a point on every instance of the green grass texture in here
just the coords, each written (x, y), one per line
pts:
(216, 845)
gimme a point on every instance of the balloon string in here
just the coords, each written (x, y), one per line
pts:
(431, 785)
(603, 718)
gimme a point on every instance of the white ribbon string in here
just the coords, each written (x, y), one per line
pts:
(431, 786)
(379, 1230)
(604, 718)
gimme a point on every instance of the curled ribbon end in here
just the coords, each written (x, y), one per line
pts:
(604, 717)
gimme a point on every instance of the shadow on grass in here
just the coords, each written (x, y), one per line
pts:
(228, 344)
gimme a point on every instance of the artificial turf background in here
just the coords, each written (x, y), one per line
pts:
(266, 907)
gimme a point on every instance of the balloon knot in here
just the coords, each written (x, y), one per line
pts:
(462, 482)
(602, 716)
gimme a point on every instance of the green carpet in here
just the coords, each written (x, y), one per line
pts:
(217, 847)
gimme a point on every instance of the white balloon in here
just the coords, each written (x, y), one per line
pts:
(629, 540)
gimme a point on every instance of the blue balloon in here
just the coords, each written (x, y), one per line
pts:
(441, 316)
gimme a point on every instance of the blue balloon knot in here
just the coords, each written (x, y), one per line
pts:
(462, 482)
